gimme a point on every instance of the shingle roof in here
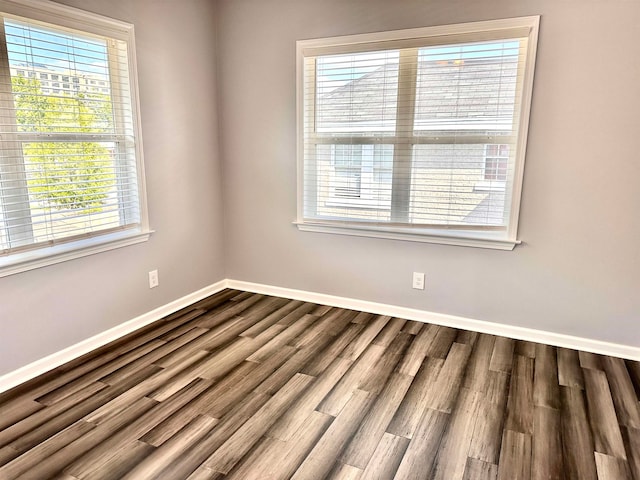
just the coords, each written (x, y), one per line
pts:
(469, 94)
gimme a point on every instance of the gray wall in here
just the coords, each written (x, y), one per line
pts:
(46, 310)
(578, 271)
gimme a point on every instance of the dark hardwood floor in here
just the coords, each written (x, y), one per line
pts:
(247, 386)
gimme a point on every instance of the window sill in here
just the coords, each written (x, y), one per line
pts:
(30, 260)
(443, 237)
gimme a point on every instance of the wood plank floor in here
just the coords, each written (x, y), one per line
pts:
(247, 386)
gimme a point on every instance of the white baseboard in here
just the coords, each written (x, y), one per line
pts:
(521, 333)
(54, 360)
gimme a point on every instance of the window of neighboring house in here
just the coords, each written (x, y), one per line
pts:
(360, 175)
(399, 128)
(71, 175)
(496, 162)
(347, 177)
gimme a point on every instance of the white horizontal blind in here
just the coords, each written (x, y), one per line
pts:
(422, 137)
(68, 166)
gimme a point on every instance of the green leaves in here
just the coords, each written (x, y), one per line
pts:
(66, 174)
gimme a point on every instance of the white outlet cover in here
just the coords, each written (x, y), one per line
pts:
(418, 280)
(153, 279)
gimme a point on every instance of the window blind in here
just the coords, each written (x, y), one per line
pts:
(426, 138)
(68, 165)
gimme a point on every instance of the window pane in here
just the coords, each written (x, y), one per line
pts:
(72, 188)
(40, 105)
(467, 88)
(354, 181)
(357, 93)
(443, 187)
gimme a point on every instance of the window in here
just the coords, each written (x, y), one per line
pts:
(496, 162)
(399, 132)
(360, 175)
(71, 179)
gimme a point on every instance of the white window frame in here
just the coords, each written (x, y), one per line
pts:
(91, 23)
(405, 39)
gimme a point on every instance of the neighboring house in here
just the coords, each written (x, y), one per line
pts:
(471, 175)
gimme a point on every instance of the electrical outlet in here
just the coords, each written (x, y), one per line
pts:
(418, 280)
(153, 279)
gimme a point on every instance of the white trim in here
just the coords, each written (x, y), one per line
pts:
(390, 233)
(432, 35)
(300, 96)
(42, 257)
(65, 16)
(54, 360)
(511, 331)
(523, 129)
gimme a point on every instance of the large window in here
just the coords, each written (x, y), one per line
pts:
(417, 134)
(71, 180)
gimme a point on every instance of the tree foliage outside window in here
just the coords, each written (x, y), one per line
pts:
(71, 167)
(65, 175)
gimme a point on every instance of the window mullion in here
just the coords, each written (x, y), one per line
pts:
(13, 179)
(402, 152)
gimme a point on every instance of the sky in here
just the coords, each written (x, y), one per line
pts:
(28, 44)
